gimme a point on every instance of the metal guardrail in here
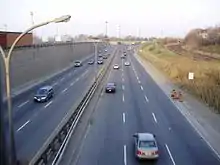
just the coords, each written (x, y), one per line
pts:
(55, 143)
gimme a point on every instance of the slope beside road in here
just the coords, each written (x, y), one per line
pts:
(138, 105)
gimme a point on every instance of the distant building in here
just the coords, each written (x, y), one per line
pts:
(7, 39)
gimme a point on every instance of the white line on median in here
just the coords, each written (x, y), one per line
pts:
(142, 88)
(146, 98)
(155, 119)
(171, 157)
(64, 90)
(123, 116)
(22, 104)
(23, 125)
(48, 104)
(125, 155)
(123, 87)
(123, 97)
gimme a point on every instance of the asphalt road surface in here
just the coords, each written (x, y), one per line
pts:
(34, 122)
(139, 105)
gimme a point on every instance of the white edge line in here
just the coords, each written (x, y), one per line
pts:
(125, 155)
(171, 157)
(22, 104)
(48, 104)
(155, 119)
(23, 125)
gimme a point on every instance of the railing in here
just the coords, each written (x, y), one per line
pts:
(55, 144)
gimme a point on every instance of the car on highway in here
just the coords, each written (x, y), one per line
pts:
(116, 66)
(106, 50)
(100, 55)
(122, 56)
(145, 146)
(91, 62)
(100, 61)
(105, 57)
(110, 87)
(125, 53)
(78, 63)
(127, 63)
(44, 94)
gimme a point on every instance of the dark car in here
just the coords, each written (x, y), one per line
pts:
(105, 57)
(110, 88)
(78, 63)
(44, 94)
(91, 62)
(125, 53)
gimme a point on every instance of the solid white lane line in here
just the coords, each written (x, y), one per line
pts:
(23, 125)
(123, 87)
(146, 98)
(125, 155)
(142, 88)
(123, 97)
(155, 119)
(171, 157)
(22, 104)
(48, 104)
(64, 90)
(123, 116)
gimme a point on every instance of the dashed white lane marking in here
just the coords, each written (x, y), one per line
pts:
(23, 125)
(77, 79)
(171, 157)
(123, 87)
(142, 88)
(64, 90)
(85, 73)
(122, 79)
(55, 84)
(123, 97)
(123, 117)
(69, 74)
(125, 155)
(139, 81)
(72, 83)
(22, 104)
(62, 79)
(155, 119)
(146, 98)
(48, 104)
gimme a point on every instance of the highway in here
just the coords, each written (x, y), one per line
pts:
(138, 105)
(34, 122)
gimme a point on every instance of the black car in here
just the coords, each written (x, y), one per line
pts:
(44, 94)
(91, 62)
(105, 57)
(110, 88)
(78, 63)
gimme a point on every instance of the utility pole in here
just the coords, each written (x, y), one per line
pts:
(32, 24)
(106, 29)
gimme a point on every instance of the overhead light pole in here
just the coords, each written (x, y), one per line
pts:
(106, 29)
(6, 61)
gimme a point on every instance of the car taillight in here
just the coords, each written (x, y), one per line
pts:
(156, 152)
(139, 152)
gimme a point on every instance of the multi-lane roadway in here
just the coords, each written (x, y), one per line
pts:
(138, 105)
(34, 122)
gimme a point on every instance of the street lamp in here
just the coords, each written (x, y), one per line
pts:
(6, 60)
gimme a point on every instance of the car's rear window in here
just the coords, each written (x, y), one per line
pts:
(147, 144)
(41, 91)
(110, 84)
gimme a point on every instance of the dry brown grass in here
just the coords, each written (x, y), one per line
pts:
(211, 48)
(207, 74)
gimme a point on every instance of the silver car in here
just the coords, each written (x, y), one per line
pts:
(145, 146)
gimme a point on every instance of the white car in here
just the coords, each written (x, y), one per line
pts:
(127, 63)
(116, 66)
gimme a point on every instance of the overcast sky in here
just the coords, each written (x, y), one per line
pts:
(143, 17)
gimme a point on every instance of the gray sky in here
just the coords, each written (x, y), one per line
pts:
(152, 17)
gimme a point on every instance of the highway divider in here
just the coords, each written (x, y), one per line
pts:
(53, 148)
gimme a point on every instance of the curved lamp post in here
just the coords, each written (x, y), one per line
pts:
(6, 60)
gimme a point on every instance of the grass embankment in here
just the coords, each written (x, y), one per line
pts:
(206, 84)
(211, 49)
